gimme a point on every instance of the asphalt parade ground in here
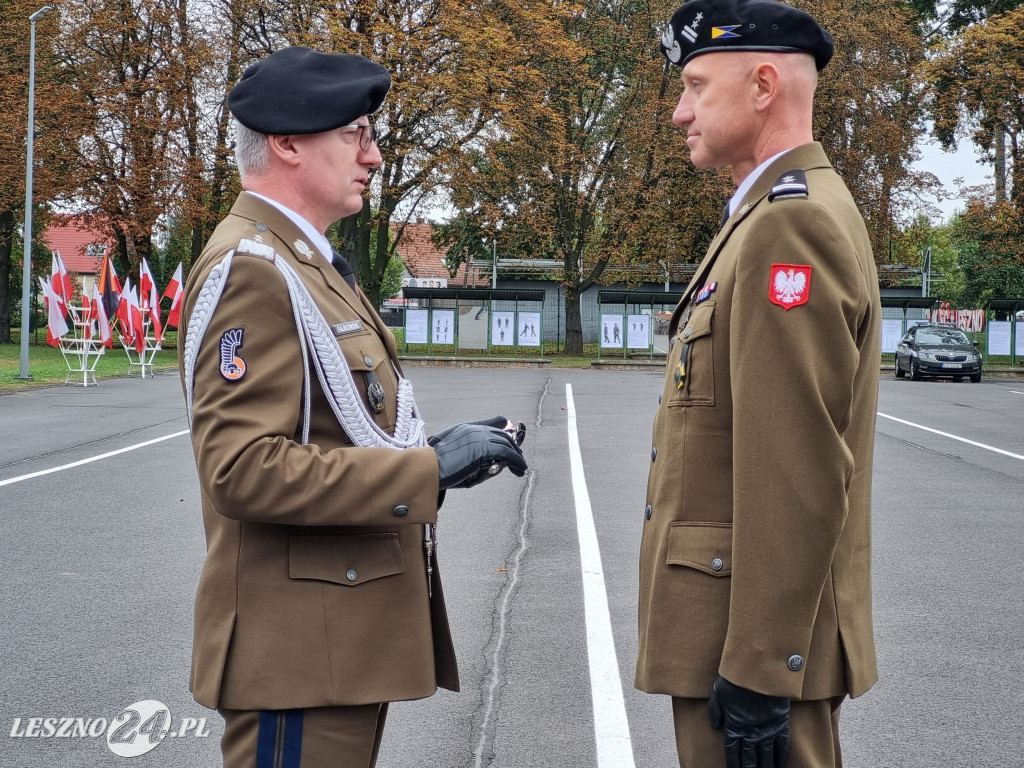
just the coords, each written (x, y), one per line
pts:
(101, 544)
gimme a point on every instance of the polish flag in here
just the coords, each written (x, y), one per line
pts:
(56, 324)
(174, 292)
(150, 299)
(135, 312)
(99, 314)
(60, 282)
(124, 314)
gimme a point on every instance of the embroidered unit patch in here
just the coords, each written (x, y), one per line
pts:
(266, 250)
(301, 247)
(232, 366)
(789, 285)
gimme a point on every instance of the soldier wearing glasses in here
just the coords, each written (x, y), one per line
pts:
(320, 600)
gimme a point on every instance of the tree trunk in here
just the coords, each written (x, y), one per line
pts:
(6, 246)
(573, 323)
(999, 150)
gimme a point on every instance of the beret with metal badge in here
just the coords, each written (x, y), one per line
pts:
(706, 26)
(299, 90)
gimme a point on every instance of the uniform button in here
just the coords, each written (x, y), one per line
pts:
(717, 564)
(351, 575)
(686, 333)
(648, 511)
(368, 360)
(401, 510)
(261, 226)
(654, 452)
(796, 662)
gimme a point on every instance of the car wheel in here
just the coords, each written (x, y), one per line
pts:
(900, 373)
(976, 377)
(915, 372)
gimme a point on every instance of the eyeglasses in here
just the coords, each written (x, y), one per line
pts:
(367, 134)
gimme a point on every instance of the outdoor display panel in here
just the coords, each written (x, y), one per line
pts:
(638, 331)
(503, 329)
(892, 333)
(528, 326)
(416, 326)
(611, 332)
(443, 326)
(473, 327)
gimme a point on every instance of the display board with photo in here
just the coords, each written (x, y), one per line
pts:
(416, 326)
(528, 327)
(503, 331)
(442, 328)
(611, 332)
(638, 331)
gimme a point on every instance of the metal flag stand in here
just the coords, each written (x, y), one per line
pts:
(141, 360)
(82, 350)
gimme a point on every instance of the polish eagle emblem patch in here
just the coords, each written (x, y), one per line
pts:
(232, 366)
(790, 285)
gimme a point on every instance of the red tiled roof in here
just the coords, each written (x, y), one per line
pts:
(424, 259)
(70, 237)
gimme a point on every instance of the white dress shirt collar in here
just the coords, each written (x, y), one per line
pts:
(316, 238)
(748, 182)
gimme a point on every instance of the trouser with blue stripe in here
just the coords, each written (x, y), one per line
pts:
(338, 737)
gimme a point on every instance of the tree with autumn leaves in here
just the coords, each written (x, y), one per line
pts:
(546, 124)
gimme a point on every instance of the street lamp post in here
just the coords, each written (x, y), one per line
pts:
(26, 277)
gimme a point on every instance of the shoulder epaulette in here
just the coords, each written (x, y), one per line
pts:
(255, 248)
(790, 184)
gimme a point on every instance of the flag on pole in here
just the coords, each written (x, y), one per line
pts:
(124, 313)
(56, 324)
(174, 291)
(60, 282)
(99, 314)
(135, 312)
(150, 299)
(110, 287)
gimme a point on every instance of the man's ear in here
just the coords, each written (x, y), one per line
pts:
(766, 82)
(284, 148)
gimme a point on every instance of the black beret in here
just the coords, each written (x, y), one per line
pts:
(705, 26)
(299, 90)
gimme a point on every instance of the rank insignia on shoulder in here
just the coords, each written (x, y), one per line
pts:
(790, 285)
(266, 250)
(705, 293)
(232, 366)
(790, 184)
(301, 247)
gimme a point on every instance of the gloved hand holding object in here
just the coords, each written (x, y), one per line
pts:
(756, 726)
(469, 453)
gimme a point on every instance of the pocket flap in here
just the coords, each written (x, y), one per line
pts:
(704, 546)
(347, 560)
(699, 323)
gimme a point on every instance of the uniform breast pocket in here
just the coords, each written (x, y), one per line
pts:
(375, 378)
(705, 547)
(691, 375)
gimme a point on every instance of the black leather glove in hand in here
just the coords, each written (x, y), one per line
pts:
(465, 453)
(498, 422)
(756, 726)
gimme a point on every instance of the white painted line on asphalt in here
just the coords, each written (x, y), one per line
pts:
(1015, 392)
(953, 437)
(74, 464)
(611, 727)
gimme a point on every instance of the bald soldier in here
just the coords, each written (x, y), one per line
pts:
(755, 571)
(320, 599)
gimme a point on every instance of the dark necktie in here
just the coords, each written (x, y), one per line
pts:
(344, 269)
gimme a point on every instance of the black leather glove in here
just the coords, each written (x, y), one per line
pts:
(756, 726)
(465, 453)
(496, 421)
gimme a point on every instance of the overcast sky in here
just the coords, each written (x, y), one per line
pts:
(951, 165)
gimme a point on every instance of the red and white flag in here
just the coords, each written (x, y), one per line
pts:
(150, 299)
(174, 291)
(56, 323)
(60, 282)
(99, 314)
(124, 313)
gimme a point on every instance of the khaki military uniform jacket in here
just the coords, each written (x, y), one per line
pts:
(314, 589)
(755, 559)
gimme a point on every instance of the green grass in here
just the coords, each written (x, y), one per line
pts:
(46, 365)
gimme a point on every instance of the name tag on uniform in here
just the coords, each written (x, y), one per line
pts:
(350, 327)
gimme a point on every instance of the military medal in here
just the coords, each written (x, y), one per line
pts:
(375, 393)
(679, 376)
